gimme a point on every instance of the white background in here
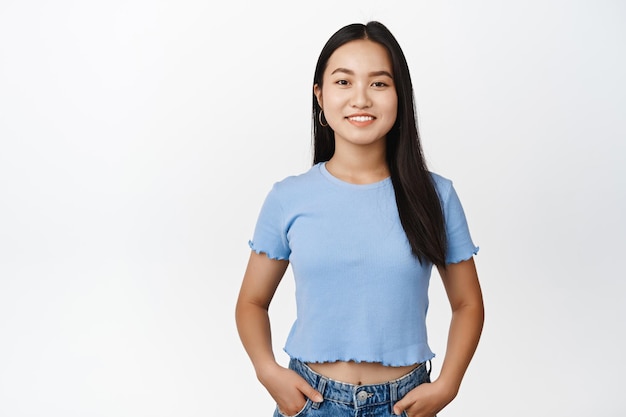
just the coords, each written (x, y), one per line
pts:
(139, 138)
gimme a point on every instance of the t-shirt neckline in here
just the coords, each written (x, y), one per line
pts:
(324, 171)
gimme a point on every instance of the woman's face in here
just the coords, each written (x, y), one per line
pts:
(358, 94)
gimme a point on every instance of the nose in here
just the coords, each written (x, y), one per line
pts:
(361, 98)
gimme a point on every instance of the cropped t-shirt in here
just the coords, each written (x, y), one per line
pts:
(361, 294)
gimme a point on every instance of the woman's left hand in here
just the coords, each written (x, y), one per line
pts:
(426, 400)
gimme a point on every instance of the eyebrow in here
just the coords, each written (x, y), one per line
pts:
(371, 74)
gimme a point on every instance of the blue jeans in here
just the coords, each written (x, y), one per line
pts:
(347, 400)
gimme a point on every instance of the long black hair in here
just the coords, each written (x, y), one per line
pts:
(418, 204)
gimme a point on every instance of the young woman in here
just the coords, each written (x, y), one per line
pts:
(361, 229)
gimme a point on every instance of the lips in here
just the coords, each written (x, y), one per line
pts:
(360, 118)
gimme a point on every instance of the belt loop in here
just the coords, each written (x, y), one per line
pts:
(430, 367)
(321, 385)
(393, 394)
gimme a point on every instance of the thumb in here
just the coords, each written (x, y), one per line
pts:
(310, 392)
(398, 408)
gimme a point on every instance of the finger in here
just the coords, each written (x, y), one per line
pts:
(398, 408)
(310, 392)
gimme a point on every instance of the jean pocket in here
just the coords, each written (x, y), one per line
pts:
(301, 413)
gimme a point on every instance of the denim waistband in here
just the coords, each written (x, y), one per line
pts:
(361, 395)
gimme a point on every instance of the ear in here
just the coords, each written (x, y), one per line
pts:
(318, 93)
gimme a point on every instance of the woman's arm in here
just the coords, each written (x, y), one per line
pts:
(259, 284)
(463, 289)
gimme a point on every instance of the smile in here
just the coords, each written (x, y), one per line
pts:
(361, 118)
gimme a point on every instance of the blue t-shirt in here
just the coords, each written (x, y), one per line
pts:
(361, 294)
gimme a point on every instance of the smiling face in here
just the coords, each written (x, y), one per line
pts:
(358, 94)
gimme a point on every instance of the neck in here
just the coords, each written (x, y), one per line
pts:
(359, 165)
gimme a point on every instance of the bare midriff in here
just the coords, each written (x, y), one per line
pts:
(362, 373)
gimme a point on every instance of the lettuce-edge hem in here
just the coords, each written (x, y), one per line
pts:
(465, 258)
(385, 362)
(268, 254)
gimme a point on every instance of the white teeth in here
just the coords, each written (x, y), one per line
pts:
(361, 118)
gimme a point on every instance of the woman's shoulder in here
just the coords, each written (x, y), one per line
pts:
(442, 184)
(298, 183)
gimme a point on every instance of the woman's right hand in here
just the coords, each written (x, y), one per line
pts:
(288, 389)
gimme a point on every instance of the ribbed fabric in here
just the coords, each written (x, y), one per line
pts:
(361, 295)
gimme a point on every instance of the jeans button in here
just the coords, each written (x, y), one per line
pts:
(362, 396)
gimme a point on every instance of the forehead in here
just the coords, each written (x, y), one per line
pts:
(360, 56)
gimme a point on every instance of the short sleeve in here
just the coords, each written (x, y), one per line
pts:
(270, 234)
(460, 244)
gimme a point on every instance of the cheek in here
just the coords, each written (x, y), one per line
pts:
(332, 106)
(392, 107)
